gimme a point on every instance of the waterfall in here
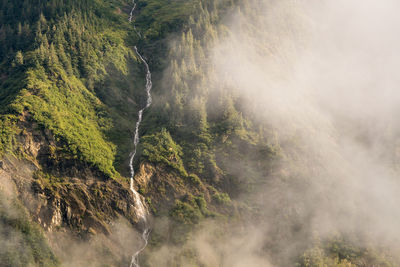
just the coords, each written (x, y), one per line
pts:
(133, 9)
(140, 209)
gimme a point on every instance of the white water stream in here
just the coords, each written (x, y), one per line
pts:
(133, 9)
(140, 209)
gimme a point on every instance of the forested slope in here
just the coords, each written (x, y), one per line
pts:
(214, 173)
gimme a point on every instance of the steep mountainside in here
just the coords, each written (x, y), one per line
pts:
(224, 184)
(71, 86)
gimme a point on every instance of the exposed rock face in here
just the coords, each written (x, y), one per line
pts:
(163, 185)
(50, 215)
(61, 192)
(71, 201)
(77, 204)
(144, 175)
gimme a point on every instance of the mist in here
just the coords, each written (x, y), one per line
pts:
(324, 76)
(99, 250)
(321, 77)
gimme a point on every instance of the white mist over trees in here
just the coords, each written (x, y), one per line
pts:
(322, 75)
(272, 139)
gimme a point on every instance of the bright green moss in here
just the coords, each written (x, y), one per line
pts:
(160, 148)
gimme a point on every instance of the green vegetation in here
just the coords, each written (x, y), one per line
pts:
(194, 179)
(222, 198)
(23, 243)
(159, 18)
(63, 55)
(186, 214)
(341, 253)
(8, 131)
(50, 182)
(160, 148)
(67, 68)
(63, 106)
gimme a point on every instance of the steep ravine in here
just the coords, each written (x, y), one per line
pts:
(141, 210)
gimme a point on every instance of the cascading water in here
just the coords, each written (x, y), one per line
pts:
(140, 209)
(133, 9)
(131, 17)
